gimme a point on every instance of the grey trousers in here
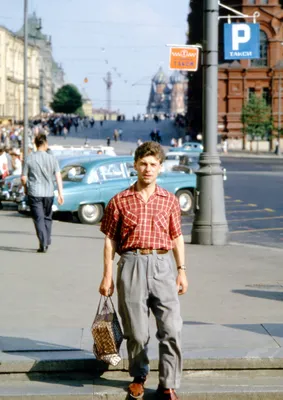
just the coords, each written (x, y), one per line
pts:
(144, 283)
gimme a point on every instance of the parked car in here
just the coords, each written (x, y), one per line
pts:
(192, 147)
(181, 161)
(89, 185)
(8, 187)
(19, 195)
(76, 151)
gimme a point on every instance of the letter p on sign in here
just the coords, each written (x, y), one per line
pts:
(241, 33)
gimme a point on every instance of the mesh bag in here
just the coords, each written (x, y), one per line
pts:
(107, 333)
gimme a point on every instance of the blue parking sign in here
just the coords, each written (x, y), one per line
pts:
(241, 41)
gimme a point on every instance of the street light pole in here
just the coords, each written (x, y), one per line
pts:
(279, 114)
(25, 136)
(210, 224)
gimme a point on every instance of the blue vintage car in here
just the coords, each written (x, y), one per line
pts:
(191, 147)
(89, 185)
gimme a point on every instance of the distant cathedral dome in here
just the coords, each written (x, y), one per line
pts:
(177, 77)
(160, 77)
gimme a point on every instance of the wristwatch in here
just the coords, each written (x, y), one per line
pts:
(182, 267)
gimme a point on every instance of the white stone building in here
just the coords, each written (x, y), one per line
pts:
(12, 77)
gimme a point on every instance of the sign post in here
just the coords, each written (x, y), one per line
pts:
(210, 225)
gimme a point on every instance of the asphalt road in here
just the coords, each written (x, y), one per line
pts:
(254, 201)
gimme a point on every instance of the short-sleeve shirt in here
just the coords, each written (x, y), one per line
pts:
(135, 224)
(40, 169)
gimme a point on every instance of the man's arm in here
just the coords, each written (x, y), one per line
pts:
(106, 287)
(60, 187)
(179, 255)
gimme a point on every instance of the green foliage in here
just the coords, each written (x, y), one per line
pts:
(257, 117)
(67, 100)
(80, 112)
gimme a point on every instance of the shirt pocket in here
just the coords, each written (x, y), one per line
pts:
(161, 221)
(130, 220)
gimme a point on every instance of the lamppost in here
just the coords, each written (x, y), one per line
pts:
(278, 152)
(210, 225)
(25, 136)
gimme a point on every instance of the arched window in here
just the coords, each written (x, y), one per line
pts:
(263, 60)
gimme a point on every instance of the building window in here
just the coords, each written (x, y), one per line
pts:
(251, 1)
(264, 1)
(262, 61)
(266, 95)
(251, 92)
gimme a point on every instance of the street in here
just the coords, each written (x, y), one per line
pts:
(253, 199)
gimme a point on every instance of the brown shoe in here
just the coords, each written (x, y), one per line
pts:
(136, 388)
(166, 394)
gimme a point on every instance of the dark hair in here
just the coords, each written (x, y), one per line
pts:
(40, 139)
(150, 149)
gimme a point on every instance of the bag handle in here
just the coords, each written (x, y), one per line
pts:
(106, 298)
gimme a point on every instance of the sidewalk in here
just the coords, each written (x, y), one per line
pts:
(233, 307)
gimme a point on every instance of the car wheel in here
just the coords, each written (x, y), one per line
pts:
(90, 213)
(186, 201)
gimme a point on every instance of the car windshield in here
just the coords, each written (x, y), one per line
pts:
(73, 173)
(172, 157)
(185, 160)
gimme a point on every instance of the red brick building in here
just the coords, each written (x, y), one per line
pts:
(239, 79)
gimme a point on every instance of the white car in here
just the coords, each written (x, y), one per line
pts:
(86, 150)
(173, 159)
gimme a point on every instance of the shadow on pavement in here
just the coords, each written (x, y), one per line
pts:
(17, 249)
(264, 294)
(55, 364)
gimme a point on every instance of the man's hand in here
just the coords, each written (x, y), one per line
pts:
(106, 287)
(60, 199)
(182, 282)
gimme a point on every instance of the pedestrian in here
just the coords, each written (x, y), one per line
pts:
(16, 162)
(4, 171)
(65, 132)
(173, 142)
(39, 171)
(108, 141)
(139, 142)
(143, 224)
(115, 135)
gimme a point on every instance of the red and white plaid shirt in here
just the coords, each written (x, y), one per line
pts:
(135, 224)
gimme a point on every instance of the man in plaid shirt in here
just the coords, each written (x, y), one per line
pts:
(143, 225)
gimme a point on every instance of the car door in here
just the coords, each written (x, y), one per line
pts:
(113, 178)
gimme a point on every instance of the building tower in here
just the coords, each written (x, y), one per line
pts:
(108, 82)
(179, 88)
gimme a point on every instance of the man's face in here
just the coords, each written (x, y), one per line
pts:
(148, 169)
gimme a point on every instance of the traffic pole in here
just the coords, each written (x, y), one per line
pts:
(210, 225)
(25, 136)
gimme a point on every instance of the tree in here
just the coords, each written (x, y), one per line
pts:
(257, 118)
(67, 100)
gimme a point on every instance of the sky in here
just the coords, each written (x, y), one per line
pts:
(92, 37)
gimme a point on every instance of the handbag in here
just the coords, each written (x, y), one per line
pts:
(107, 333)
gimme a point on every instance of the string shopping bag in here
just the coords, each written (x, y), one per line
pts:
(107, 333)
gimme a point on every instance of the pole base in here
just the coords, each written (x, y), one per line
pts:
(216, 235)
(210, 225)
